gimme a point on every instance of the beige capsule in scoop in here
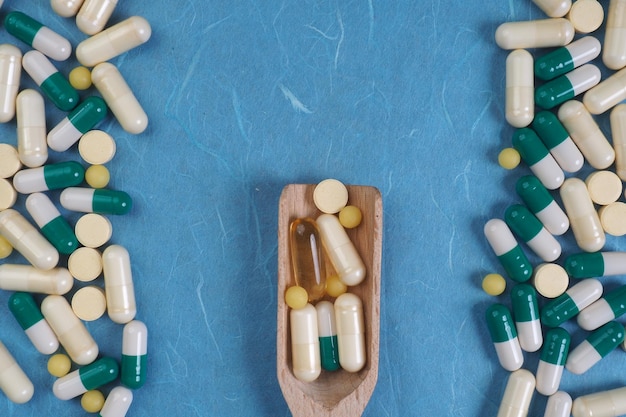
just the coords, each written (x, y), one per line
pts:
(350, 332)
(340, 250)
(305, 347)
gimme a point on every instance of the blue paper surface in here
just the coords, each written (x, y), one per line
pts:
(245, 97)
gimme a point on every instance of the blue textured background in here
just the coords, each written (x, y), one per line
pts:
(247, 96)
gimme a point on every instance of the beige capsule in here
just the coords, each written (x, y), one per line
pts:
(554, 8)
(305, 350)
(118, 284)
(94, 15)
(541, 33)
(350, 332)
(27, 278)
(27, 240)
(582, 215)
(14, 383)
(520, 88)
(32, 145)
(10, 70)
(66, 8)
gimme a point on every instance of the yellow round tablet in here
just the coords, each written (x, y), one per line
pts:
(550, 280)
(5, 248)
(96, 147)
(9, 160)
(93, 230)
(334, 286)
(85, 264)
(350, 217)
(509, 158)
(586, 15)
(613, 218)
(80, 78)
(604, 187)
(296, 297)
(330, 196)
(92, 401)
(8, 194)
(494, 284)
(59, 365)
(97, 176)
(89, 303)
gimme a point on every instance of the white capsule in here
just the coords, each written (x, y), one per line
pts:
(117, 403)
(27, 278)
(548, 377)
(610, 403)
(618, 133)
(13, 381)
(517, 394)
(582, 215)
(66, 8)
(542, 33)
(614, 48)
(94, 15)
(520, 88)
(554, 8)
(118, 284)
(10, 70)
(27, 240)
(529, 335)
(586, 134)
(559, 405)
(31, 128)
(305, 345)
(350, 332)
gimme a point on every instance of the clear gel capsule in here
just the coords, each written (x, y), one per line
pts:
(49, 177)
(565, 59)
(51, 82)
(307, 257)
(40, 37)
(567, 86)
(508, 251)
(543, 33)
(119, 97)
(618, 133)
(350, 332)
(91, 200)
(596, 264)
(554, 8)
(327, 330)
(30, 319)
(117, 403)
(31, 128)
(339, 248)
(614, 48)
(504, 337)
(27, 240)
(538, 158)
(542, 205)
(70, 331)
(53, 226)
(520, 84)
(27, 278)
(526, 314)
(66, 8)
(118, 284)
(602, 311)
(83, 118)
(94, 15)
(10, 70)
(559, 404)
(305, 343)
(607, 94)
(14, 383)
(113, 41)
(553, 134)
(595, 347)
(134, 354)
(611, 403)
(582, 215)
(89, 377)
(517, 394)
(586, 134)
(569, 304)
(525, 225)
(552, 361)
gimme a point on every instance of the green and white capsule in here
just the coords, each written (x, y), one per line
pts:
(40, 37)
(53, 226)
(553, 134)
(135, 354)
(525, 225)
(51, 82)
(526, 315)
(89, 377)
(96, 200)
(602, 311)
(80, 120)
(564, 59)
(595, 347)
(508, 251)
(504, 337)
(117, 403)
(552, 361)
(542, 205)
(49, 177)
(29, 317)
(538, 158)
(570, 303)
(595, 264)
(567, 86)
(327, 331)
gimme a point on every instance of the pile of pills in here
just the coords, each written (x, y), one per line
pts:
(553, 99)
(59, 254)
(327, 336)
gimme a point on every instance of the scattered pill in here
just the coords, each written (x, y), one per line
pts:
(96, 147)
(526, 314)
(10, 70)
(94, 15)
(52, 225)
(542, 205)
(134, 354)
(307, 257)
(586, 15)
(525, 225)
(350, 217)
(89, 303)
(80, 78)
(5, 248)
(494, 284)
(59, 365)
(66, 8)
(554, 8)
(553, 134)
(51, 82)
(118, 284)
(79, 121)
(117, 403)
(607, 94)
(14, 383)
(93, 230)
(330, 196)
(519, 99)
(31, 128)
(517, 394)
(559, 404)
(97, 176)
(569, 304)
(618, 135)
(89, 377)
(508, 251)
(595, 264)
(552, 361)
(40, 37)
(613, 218)
(582, 214)
(535, 154)
(92, 401)
(550, 280)
(604, 187)
(509, 158)
(17, 277)
(296, 297)
(504, 337)
(595, 347)
(91, 200)
(305, 350)
(8, 194)
(334, 286)
(327, 331)
(350, 332)
(85, 264)
(542, 33)
(49, 177)
(602, 404)
(614, 45)
(564, 59)
(567, 86)
(36, 328)
(341, 251)
(9, 160)
(611, 306)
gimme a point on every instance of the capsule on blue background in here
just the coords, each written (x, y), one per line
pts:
(526, 316)
(327, 331)
(595, 264)
(89, 377)
(564, 59)
(595, 347)
(542, 204)
(552, 360)
(504, 337)
(40, 37)
(569, 304)
(538, 158)
(96, 200)
(83, 118)
(53, 226)
(30, 319)
(525, 225)
(508, 251)
(567, 86)
(49, 177)
(135, 354)
(558, 141)
(602, 311)
(51, 82)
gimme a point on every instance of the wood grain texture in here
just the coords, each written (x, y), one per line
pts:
(339, 393)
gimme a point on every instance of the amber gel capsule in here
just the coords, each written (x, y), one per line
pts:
(307, 257)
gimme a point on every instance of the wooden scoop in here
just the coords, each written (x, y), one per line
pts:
(339, 393)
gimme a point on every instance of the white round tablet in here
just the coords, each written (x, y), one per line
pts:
(85, 264)
(550, 280)
(613, 218)
(89, 303)
(8, 195)
(9, 160)
(604, 187)
(586, 15)
(93, 230)
(96, 147)
(330, 196)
